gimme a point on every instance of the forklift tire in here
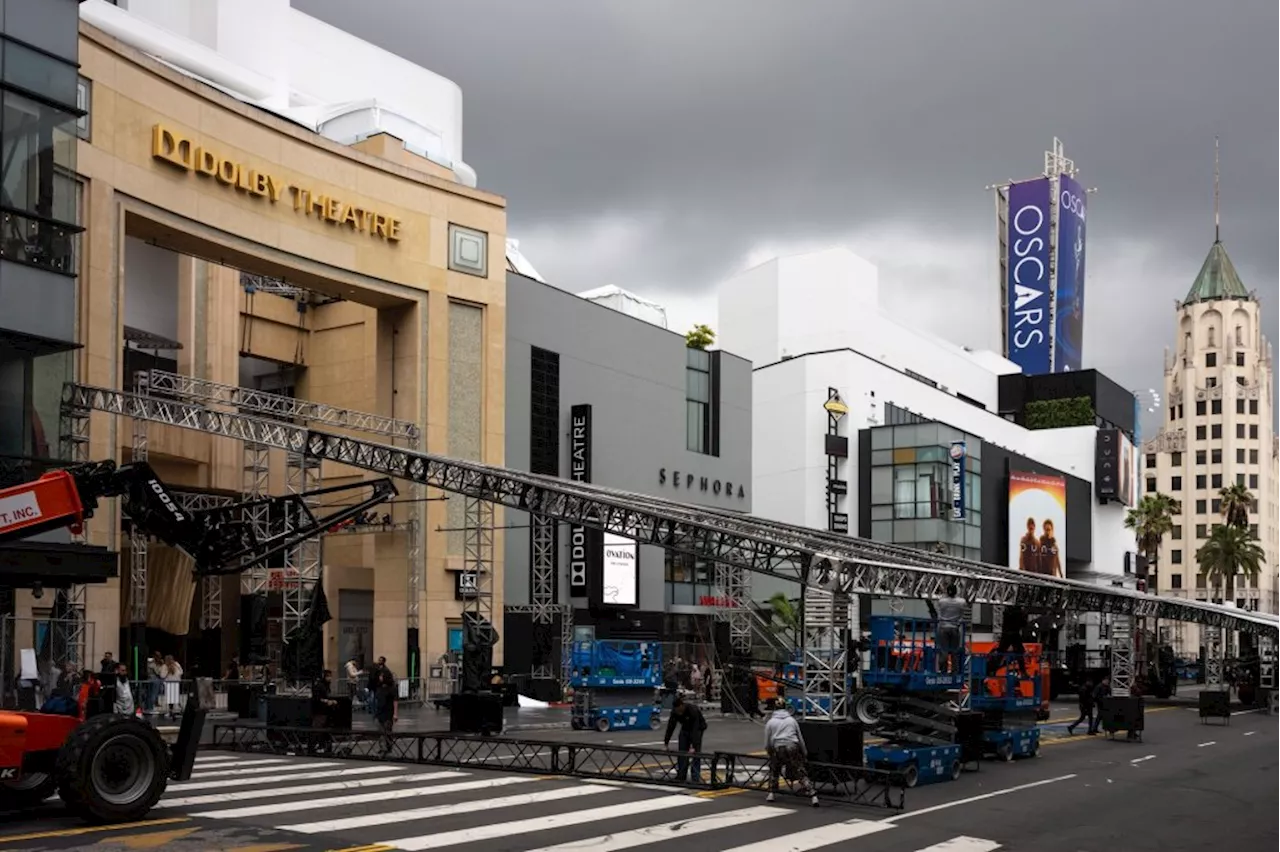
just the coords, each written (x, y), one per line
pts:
(602, 725)
(910, 775)
(955, 770)
(1004, 751)
(29, 791)
(112, 769)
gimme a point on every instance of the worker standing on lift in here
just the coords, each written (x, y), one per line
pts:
(950, 612)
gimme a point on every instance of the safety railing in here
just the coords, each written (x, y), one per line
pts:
(856, 785)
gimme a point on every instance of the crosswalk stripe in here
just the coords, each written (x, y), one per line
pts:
(667, 831)
(963, 844)
(362, 798)
(218, 772)
(816, 838)
(544, 823)
(303, 789)
(228, 762)
(279, 779)
(366, 820)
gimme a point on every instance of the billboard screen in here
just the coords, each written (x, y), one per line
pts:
(1028, 333)
(1128, 493)
(1037, 523)
(620, 577)
(1069, 292)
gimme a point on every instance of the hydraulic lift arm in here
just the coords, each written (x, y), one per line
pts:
(219, 540)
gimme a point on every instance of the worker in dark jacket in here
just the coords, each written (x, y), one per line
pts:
(1010, 641)
(692, 725)
(1101, 691)
(1086, 708)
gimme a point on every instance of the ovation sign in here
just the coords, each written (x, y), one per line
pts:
(176, 150)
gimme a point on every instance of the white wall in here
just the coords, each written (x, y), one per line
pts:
(827, 300)
(150, 288)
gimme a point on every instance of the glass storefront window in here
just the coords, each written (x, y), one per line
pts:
(30, 393)
(38, 160)
(38, 73)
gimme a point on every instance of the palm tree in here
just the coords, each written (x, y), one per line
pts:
(1229, 550)
(1151, 521)
(1237, 503)
(787, 617)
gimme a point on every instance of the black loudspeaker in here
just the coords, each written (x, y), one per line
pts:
(969, 727)
(475, 713)
(1107, 464)
(288, 712)
(545, 637)
(253, 629)
(1215, 704)
(1122, 713)
(834, 742)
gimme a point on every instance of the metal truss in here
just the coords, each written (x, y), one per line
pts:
(477, 557)
(255, 485)
(73, 446)
(735, 589)
(138, 541)
(722, 770)
(1211, 636)
(838, 562)
(824, 627)
(301, 563)
(1122, 655)
(370, 529)
(211, 587)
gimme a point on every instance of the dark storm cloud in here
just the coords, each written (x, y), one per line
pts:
(716, 127)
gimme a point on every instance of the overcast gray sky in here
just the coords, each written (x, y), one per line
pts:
(663, 146)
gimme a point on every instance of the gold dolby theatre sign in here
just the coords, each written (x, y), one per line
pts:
(177, 150)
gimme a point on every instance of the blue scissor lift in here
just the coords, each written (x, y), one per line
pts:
(615, 685)
(1009, 702)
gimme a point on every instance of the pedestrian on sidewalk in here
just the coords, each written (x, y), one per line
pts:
(692, 726)
(788, 754)
(122, 702)
(1086, 708)
(388, 707)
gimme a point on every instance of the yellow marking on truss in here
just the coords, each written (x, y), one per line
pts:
(92, 829)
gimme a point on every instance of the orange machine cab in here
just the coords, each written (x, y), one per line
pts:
(996, 686)
(13, 744)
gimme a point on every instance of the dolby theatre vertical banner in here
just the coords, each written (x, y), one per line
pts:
(582, 553)
(1028, 333)
(1068, 343)
(1038, 523)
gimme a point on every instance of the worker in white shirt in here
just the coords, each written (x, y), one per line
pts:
(787, 752)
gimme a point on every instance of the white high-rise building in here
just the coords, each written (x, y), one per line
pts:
(1220, 384)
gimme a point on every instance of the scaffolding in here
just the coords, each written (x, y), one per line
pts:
(842, 565)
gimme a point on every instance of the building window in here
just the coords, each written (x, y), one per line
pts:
(1200, 507)
(1177, 532)
(1253, 531)
(1151, 460)
(1202, 531)
(1151, 485)
(1200, 433)
(919, 378)
(1201, 455)
(1253, 431)
(1253, 481)
(1253, 457)
(84, 101)
(1240, 430)
(468, 251)
(1216, 505)
(1176, 461)
(1239, 358)
(1239, 456)
(1175, 484)
(1239, 406)
(701, 429)
(1199, 408)
(1215, 431)
(1216, 480)
(1211, 358)
(1215, 407)
(1239, 479)
(1201, 481)
(1253, 406)
(1175, 581)
(1176, 556)
(1216, 456)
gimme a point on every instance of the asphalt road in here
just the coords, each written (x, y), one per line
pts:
(1187, 786)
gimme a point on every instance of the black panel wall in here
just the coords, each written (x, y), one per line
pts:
(544, 437)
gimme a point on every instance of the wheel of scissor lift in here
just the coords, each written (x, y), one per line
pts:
(602, 725)
(910, 775)
(30, 790)
(112, 769)
(1035, 751)
(1004, 751)
(655, 722)
(955, 770)
(868, 707)
(576, 724)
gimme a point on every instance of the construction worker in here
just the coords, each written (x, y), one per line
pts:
(692, 726)
(787, 751)
(950, 612)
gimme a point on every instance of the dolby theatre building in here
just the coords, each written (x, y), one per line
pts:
(227, 224)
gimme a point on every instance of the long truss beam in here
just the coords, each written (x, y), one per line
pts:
(839, 563)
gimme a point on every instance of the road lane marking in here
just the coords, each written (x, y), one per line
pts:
(277, 792)
(260, 780)
(1211, 742)
(816, 838)
(93, 829)
(257, 769)
(667, 831)
(319, 802)
(963, 844)
(1250, 733)
(972, 799)
(1141, 759)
